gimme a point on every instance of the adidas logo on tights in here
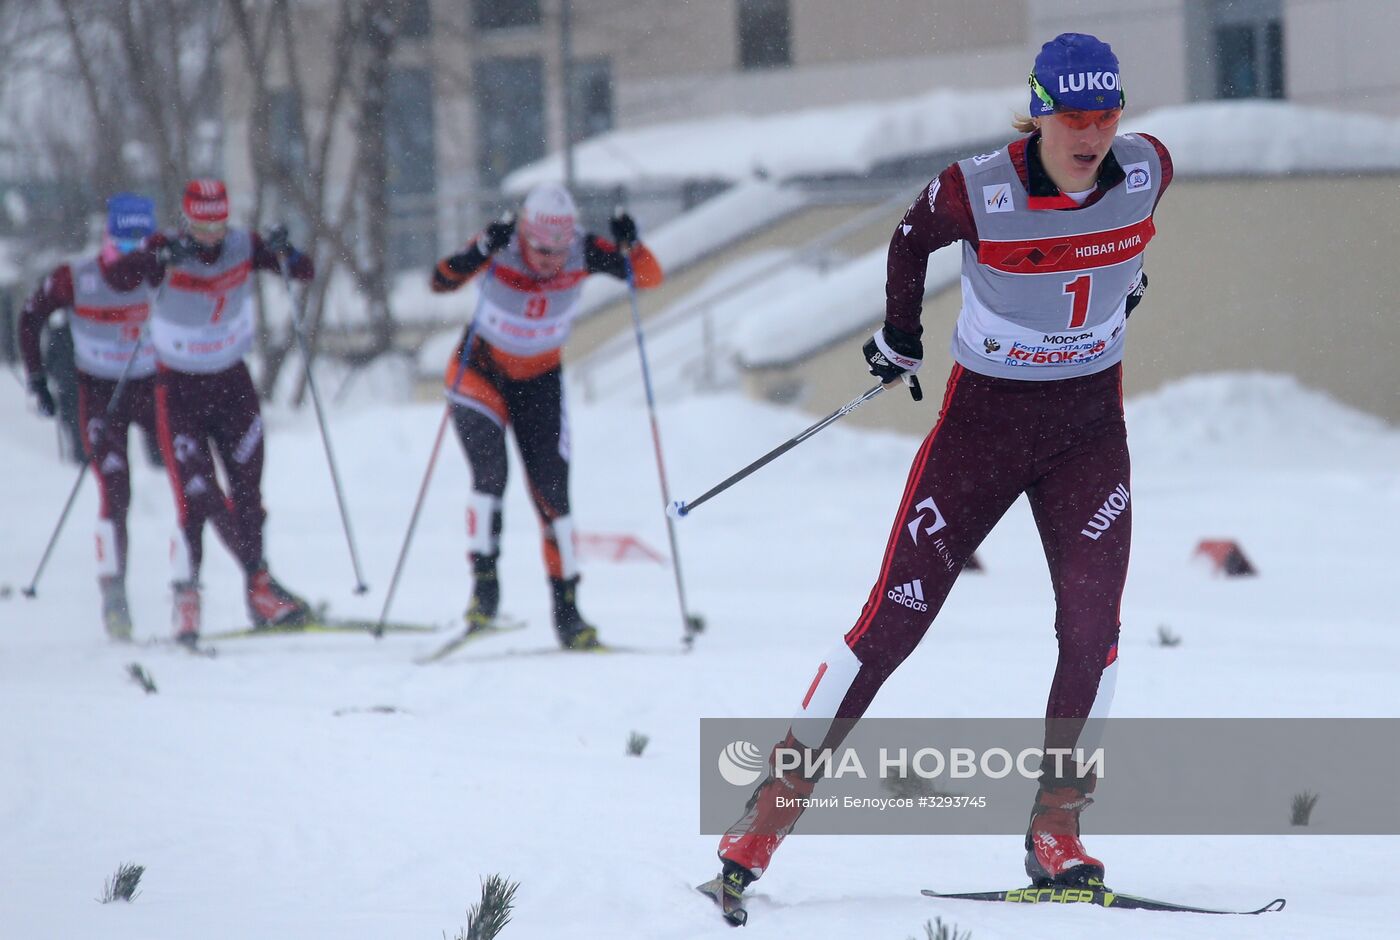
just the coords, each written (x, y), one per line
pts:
(910, 594)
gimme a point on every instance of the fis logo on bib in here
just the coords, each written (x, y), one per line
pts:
(910, 595)
(998, 198)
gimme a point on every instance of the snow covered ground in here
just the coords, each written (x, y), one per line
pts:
(267, 798)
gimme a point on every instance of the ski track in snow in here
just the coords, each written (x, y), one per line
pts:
(260, 812)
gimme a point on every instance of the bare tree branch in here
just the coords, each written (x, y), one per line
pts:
(108, 135)
(146, 86)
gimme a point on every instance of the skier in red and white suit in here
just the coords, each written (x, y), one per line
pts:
(1053, 229)
(202, 325)
(108, 326)
(513, 375)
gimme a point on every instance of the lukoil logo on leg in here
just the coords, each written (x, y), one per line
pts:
(741, 763)
(1112, 507)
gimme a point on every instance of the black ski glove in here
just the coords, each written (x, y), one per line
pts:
(175, 250)
(624, 229)
(497, 235)
(892, 354)
(43, 400)
(1135, 295)
(277, 242)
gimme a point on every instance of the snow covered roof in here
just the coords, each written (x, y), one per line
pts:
(844, 139)
(1208, 138)
(1268, 138)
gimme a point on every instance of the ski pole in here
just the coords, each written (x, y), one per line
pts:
(680, 507)
(300, 334)
(691, 624)
(31, 590)
(378, 629)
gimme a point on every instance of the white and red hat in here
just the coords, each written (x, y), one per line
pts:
(548, 217)
(205, 202)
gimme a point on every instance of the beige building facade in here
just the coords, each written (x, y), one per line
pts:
(479, 84)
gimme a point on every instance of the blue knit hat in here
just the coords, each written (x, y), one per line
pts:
(1075, 72)
(130, 217)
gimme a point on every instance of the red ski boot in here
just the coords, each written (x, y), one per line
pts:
(272, 605)
(751, 841)
(1054, 854)
(186, 613)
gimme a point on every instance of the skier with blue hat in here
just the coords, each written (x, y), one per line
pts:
(1075, 72)
(130, 218)
(1054, 227)
(111, 350)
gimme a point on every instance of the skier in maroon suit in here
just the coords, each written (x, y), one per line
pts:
(108, 325)
(1053, 229)
(202, 325)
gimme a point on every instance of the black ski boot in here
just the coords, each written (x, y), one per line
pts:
(727, 891)
(574, 632)
(486, 593)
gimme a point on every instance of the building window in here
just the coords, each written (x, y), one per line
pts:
(412, 167)
(408, 133)
(510, 115)
(505, 14)
(765, 34)
(1247, 46)
(591, 104)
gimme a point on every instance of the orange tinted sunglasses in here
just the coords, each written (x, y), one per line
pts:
(1081, 120)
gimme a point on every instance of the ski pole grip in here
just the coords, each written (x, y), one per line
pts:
(915, 390)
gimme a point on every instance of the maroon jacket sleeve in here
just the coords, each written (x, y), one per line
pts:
(54, 293)
(1166, 159)
(939, 216)
(128, 271)
(300, 267)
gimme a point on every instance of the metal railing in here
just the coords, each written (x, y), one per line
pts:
(704, 363)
